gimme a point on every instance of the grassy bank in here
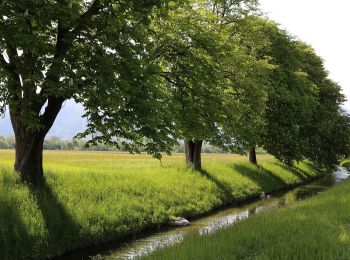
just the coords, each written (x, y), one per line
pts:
(318, 228)
(346, 164)
(91, 197)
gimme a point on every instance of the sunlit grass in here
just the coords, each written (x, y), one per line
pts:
(317, 228)
(91, 197)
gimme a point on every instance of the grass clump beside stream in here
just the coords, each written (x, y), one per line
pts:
(90, 197)
(346, 164)
(317, 228)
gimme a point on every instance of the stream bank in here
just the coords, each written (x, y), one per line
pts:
(145, 243)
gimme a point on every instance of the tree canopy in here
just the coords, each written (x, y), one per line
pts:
(152, 72)
(92, 51)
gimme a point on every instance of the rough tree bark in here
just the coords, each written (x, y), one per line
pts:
(29, 158)
(252, 156)
(193, 151)
(29, 143)
(189, 148)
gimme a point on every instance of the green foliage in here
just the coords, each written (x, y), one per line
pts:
(215, 84)
(91, 197)
(188, 46)
(246, 92)
(328, 134)
(92, 51)
(303, 108)
(151, 72)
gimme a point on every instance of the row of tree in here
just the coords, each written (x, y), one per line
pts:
(150, 73)
(55, 143)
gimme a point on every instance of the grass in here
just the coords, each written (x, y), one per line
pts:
(317, 228)
(90, 197)
(346, 164)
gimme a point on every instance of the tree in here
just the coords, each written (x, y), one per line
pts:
(318, 130)
(92, 51)
(206, 72)
(303, 111)
(187, 46)
(247, 79)
(285, 86)
(327, 135)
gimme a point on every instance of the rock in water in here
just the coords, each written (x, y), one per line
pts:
(179, 222)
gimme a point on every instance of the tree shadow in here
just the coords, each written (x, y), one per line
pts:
(14, 237)
(314, 168)
(301, 174)
(261, 176)
(222, 185)
(62, 230)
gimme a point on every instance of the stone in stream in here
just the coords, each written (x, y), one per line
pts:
(179, 222)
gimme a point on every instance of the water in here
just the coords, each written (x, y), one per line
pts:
(143, 244)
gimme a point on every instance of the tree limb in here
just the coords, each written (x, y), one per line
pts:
(54, 105)
(6, 66)
(93, 10)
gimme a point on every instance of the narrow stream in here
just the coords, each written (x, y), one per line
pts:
(146, 243)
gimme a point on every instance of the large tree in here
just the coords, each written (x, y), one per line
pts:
(327, 134)
(303, 109)
(188, 47)
(313, 125)
(206, 71)
(92, 51)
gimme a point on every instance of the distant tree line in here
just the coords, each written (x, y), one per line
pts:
(55, 143)
(150, 73)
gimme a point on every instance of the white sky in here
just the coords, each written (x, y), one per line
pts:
(323, 24)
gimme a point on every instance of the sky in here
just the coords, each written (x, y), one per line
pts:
(325, 25)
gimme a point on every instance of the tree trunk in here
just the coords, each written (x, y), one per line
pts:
(252, 156)
(30, 143)
(189, 152)
(197, 156)
(193, 151)
(29, 156)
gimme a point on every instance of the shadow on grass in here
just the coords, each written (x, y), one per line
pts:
(14, 237)
(222, 185)
(315, 168)
(261, 176)
(301, 174)
(62, 230)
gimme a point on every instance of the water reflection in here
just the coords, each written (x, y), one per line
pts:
(144, 244)
(223, 222)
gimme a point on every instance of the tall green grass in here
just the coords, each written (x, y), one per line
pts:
(317, 228)
(90, 197)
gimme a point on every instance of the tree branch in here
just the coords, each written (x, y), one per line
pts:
(163, 74)
(93, 10)
(6, 66)
(54, 105)
(65, 39)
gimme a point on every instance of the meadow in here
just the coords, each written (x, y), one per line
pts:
(91, 197)
(317, 228)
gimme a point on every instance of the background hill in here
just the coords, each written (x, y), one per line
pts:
(68, 123)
